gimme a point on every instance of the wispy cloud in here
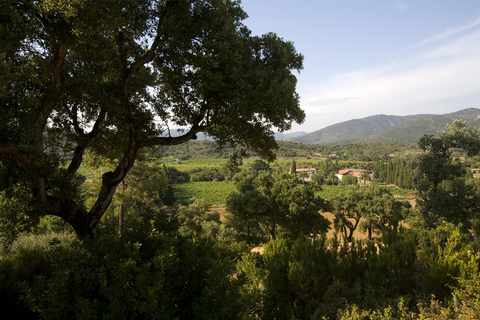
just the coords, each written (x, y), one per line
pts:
(437, 80)
(450, 32)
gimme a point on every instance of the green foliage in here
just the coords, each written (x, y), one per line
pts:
(197, 177)
(349, 180)
(198, 220)
(327, 280)
(444, 195)
(27, 259)
(276, 203)
(317, 180)
(372, 208)
(395, 171)
(329, 169)
(152, 271)
(364, 177)
(293, 167)
(110, 78)
(176, 176)
(146, 273)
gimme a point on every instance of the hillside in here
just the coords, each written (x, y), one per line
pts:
(353, 130)
(409, 131)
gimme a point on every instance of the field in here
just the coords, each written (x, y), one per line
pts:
(215, 193)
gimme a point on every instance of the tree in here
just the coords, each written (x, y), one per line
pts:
(293, 167)
(258, 166)
(364, 176)
(380, 209)
(303, 175)
(317, 180)
(277, 204)
(112, 77)
(372, 208)
(329, 169)
(347, 215)
(443, 193)
(349, 180)
(245, 205)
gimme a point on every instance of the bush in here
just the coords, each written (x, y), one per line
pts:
(28, 258)
(350, 180)
(148, 272)
(197, 177)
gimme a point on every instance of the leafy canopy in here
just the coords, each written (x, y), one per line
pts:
(112, 77)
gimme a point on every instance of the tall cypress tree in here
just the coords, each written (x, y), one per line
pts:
(390, 172)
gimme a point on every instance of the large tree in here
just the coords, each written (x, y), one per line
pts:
(277, 203)
(111, 78)
(443, 193)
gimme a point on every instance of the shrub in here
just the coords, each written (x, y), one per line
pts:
(350, 180)
(197, 177)
(148, 272)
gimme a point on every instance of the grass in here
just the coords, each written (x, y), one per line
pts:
(204, 162)
(188, 167)
(215, 193)
(329, 190)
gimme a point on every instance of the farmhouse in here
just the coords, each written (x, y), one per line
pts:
(353, 172)
(310, 171)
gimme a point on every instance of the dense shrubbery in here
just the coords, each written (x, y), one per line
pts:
(404, 274)
(150, 272)
(196, 264)
(154, 272)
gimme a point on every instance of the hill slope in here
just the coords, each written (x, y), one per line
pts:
(410, 131)
(352, 130)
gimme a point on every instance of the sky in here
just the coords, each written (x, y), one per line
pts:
(369, 57)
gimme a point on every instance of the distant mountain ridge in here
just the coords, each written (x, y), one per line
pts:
(410, 131)
(379, 128)
(286, 136)
(388, 129)
(353, 130)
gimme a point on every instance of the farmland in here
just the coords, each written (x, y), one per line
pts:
(215, 193)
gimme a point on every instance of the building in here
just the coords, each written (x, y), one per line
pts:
(353, 172)
(310, 171)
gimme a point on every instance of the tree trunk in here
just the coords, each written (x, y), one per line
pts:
(121, 211)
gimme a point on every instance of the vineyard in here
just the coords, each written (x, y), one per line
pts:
(215, 193)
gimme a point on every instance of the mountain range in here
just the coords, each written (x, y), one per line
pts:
(387, 128)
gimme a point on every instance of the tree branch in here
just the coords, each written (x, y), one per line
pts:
(172, 141)
(86, 139)
(150, 54)
(12, 149)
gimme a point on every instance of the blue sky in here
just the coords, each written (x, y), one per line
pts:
(368, 57)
